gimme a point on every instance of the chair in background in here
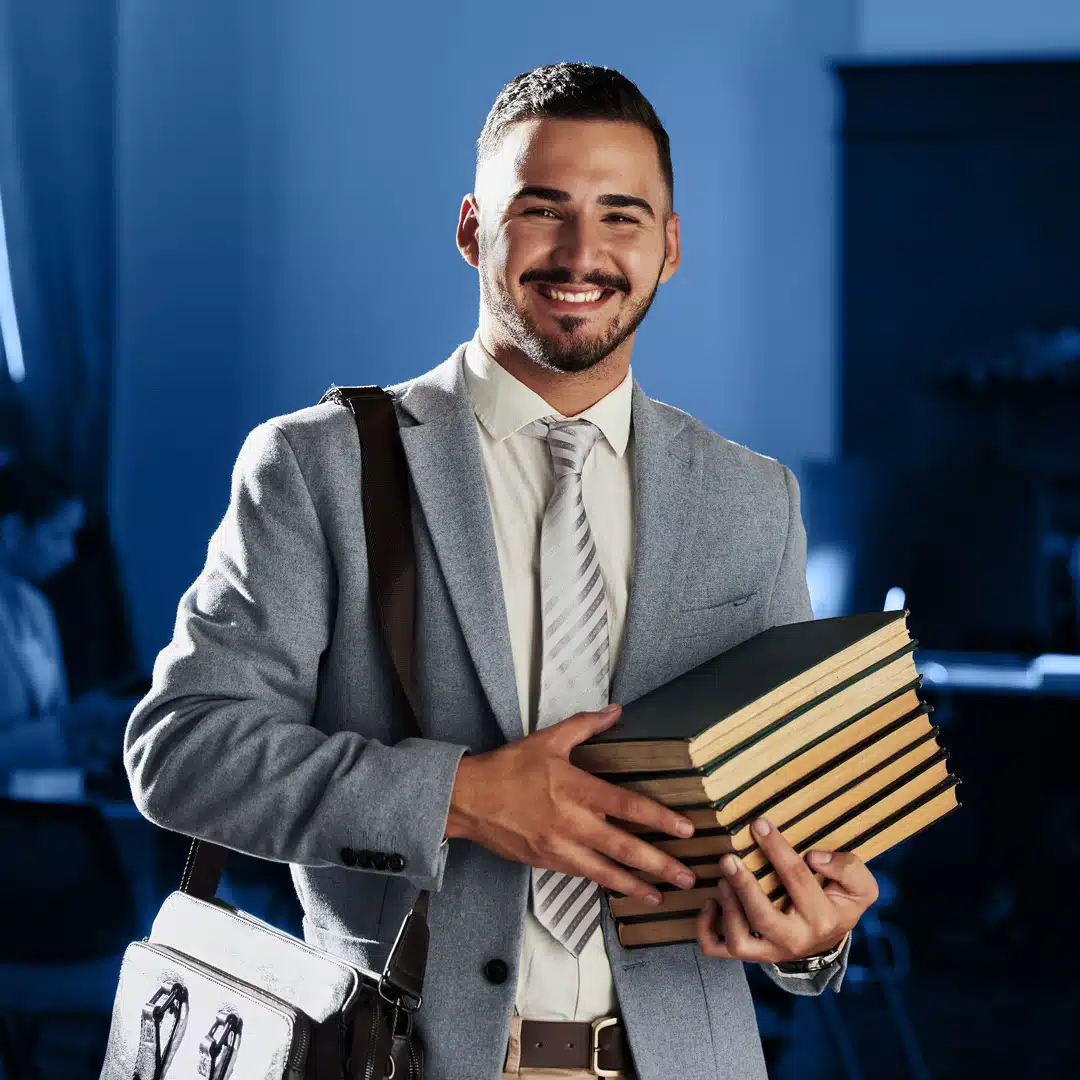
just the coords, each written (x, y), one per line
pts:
(68, 911)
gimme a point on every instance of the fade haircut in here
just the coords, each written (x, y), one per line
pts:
(577, 92)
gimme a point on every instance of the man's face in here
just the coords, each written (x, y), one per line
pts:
(542, 226)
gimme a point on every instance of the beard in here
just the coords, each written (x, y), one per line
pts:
(569, 351)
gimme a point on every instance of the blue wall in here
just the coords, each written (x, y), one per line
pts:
(967, 27)
(289, 183)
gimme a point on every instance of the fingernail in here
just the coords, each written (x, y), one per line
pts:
(609, 708)
(685, 880)
(730, 864)
(652, 899)
(685, 828)
(762, 827)
(821, 857)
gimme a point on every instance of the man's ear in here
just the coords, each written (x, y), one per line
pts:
(467, 230)
(672, 248)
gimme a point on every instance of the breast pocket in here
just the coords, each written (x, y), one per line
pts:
(713, 619)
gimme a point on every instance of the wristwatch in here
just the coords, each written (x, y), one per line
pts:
(811, 965)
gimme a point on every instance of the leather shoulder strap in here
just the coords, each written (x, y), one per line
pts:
(384, 481)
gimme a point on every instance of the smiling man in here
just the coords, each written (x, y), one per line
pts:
(578, 544)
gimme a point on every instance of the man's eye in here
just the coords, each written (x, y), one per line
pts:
(540, 210)
(623, 217)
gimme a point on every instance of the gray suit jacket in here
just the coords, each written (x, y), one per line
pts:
(270, 726)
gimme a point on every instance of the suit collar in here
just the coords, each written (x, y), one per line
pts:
(504, 404)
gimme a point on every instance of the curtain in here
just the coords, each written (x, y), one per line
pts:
(57, 94)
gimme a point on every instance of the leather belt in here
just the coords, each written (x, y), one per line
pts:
(556, 1044)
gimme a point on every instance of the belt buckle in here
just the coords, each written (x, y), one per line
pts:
(594, 1056)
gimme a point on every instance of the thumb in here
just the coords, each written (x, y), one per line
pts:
(581, 726)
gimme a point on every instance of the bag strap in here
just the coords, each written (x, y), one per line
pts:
(384, 479)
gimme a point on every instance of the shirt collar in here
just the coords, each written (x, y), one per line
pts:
(504, 404)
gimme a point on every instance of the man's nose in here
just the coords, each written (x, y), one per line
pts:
(579, 245)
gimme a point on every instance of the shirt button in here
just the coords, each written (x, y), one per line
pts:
(495, 971)
(396, 863)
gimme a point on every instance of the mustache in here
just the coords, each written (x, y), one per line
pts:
(556, 279)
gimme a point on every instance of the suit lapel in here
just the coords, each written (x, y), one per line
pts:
(443, 453)
(442, 448)
(666, 494)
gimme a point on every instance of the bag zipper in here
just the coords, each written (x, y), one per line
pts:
(414, 1062)
(273, 931)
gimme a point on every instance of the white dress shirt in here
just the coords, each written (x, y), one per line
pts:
(553, 984)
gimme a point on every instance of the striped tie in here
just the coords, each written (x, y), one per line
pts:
(574, 669)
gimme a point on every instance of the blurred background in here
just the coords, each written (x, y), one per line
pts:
(213, 210)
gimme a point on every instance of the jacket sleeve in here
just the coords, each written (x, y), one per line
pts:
(223, 747)
(790, 602)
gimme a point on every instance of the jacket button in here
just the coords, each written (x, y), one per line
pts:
(396, 863)
(495, 971)
(363, 859)
(348, 856)
(378, 860)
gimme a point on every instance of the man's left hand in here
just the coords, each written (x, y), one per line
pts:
(816, 921)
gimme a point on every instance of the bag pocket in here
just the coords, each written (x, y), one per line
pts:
(176, 1016)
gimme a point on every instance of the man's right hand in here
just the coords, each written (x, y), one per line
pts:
(526, 802)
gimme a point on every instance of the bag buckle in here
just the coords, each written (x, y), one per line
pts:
(594, 1054)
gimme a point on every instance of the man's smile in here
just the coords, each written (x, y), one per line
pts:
(573, 297)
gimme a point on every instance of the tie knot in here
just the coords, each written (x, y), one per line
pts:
(568, 440)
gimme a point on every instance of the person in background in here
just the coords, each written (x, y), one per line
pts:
(40, 727)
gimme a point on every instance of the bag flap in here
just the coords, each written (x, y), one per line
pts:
(317, 983)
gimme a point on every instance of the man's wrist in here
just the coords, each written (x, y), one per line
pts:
(813, 964)
(456, 820)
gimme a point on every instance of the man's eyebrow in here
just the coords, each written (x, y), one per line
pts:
(556, 195)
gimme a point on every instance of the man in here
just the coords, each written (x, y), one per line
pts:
(40, 726)
(561, 562)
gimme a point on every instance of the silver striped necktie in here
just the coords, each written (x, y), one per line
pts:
(574, 668)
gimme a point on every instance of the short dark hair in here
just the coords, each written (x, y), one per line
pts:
(578, 92)
(32, 490)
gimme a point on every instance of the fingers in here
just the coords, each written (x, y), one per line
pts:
(711, 943)
(739, 930)
(851, 876)
(614, 801)
(582, 861)
(760, 913)
(628, 850)
(735, 940)
(610, 799)
(798, 879)
(566, 734)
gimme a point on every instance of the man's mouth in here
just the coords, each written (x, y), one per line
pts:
(573, 299)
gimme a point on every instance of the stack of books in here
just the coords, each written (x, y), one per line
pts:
(817, 726)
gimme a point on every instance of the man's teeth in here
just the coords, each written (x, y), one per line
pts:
(574, 298)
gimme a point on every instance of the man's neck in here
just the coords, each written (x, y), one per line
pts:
(569, 393)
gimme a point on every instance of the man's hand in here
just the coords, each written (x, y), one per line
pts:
(817, 920)
(526, 802)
